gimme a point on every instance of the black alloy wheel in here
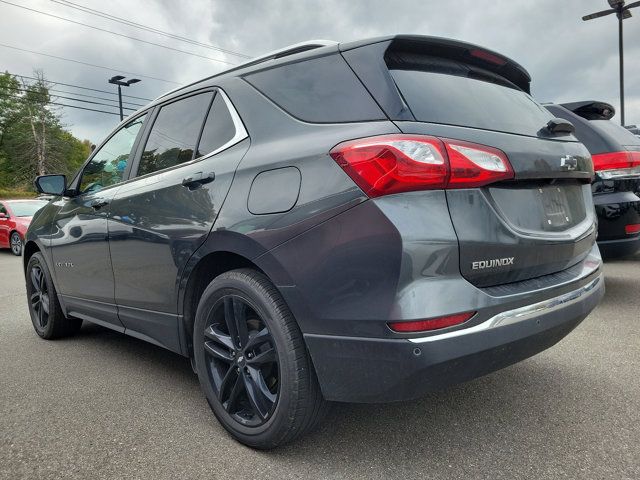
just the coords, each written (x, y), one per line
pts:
(16, 244)
(48, 318)
(252, 362)
(39, 296)
(242, 361)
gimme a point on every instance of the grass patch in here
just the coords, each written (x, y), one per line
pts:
(10, 193)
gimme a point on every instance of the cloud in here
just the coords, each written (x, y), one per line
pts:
(567, 58)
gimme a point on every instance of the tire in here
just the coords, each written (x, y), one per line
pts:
(16, 243)
(46, 314)
(259, 381)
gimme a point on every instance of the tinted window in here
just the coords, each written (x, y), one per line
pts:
(618, 133)
(109, 163)
(26, 208)
(457, 100)
(174, 133)
(321, 90)
(218, 129)
(3, 210)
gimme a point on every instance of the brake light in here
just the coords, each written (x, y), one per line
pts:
(431, 323)
(632, 228)
(616, 164)
(402, 163)
(488, 57)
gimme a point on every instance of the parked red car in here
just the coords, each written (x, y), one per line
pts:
(15, 217)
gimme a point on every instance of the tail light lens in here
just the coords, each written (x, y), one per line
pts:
(632, 228)
(616, 164)
(431, 323)
(402, 163)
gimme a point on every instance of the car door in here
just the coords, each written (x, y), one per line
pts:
(79, 244)
(4, 226)
(165, 212)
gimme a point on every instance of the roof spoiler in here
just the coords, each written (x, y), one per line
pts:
(591, 109)
(452, 50)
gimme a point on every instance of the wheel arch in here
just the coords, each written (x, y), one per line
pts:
(222, 252)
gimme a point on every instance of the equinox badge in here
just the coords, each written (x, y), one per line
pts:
(495, 262)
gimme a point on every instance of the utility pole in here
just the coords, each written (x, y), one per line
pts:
(120, 81)
(623, 12)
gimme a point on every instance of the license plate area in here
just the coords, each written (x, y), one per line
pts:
(555, 206)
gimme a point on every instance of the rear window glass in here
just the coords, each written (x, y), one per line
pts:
(321, 90)
(618, 133)
(456, 100)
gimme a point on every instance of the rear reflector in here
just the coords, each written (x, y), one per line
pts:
(402, 163)
(632, 228)
(430, 324)
(616, 164)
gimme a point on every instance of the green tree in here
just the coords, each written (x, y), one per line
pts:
(33, 141)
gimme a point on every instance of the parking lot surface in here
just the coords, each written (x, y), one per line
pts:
(103, 405)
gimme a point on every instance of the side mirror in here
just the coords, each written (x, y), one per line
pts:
(51, 184)
(3, 216)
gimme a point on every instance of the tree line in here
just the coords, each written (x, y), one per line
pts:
(33, 140)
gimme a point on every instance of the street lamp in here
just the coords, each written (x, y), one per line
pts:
(622, 12)
(121, 82)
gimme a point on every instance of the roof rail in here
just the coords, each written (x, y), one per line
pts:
(282, 52)
(290, 50)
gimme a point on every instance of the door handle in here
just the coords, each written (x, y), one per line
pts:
(197, 179)
(98, 204)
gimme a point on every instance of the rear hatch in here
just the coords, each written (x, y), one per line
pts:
(537, 222)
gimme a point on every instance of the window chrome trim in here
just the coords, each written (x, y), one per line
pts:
(241, 132)
(520, 314)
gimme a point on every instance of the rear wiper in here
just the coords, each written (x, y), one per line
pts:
(558, 126)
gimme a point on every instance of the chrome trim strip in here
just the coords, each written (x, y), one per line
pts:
(241, 132)
(518, 314)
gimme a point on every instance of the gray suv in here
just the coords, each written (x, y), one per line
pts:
(359, 222)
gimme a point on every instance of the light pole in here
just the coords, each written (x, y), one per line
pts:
(121, 82)
(622, 11)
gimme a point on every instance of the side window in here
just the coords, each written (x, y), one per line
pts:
(218, 129)
(3, 210)
(108, 165)
(323, 90)
(174, 134)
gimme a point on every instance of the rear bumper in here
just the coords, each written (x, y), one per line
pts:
(356, 369)
(623, 247)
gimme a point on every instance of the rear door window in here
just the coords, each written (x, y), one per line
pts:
(174, 133)
(470, 102)
(218, 130)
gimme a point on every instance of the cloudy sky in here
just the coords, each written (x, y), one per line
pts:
(567, 58)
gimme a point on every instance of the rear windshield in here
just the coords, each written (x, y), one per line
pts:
(456, 100)
(618, 133)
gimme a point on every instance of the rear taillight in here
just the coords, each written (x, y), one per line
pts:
(632, 228)
(403, 163)
(616, 164)
(431, 323)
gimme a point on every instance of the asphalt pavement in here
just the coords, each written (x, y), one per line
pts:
(103, 405)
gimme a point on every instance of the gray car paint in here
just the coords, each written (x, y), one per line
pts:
(346, 265)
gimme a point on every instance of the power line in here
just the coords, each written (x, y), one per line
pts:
(111, 69)
(81, 87)
(81, 95)
(130, 23)
(115, 33)
(83, 108)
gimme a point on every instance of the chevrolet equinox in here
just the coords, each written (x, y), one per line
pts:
(358, 222)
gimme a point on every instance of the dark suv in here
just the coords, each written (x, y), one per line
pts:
(358, 222)
(616, 189)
